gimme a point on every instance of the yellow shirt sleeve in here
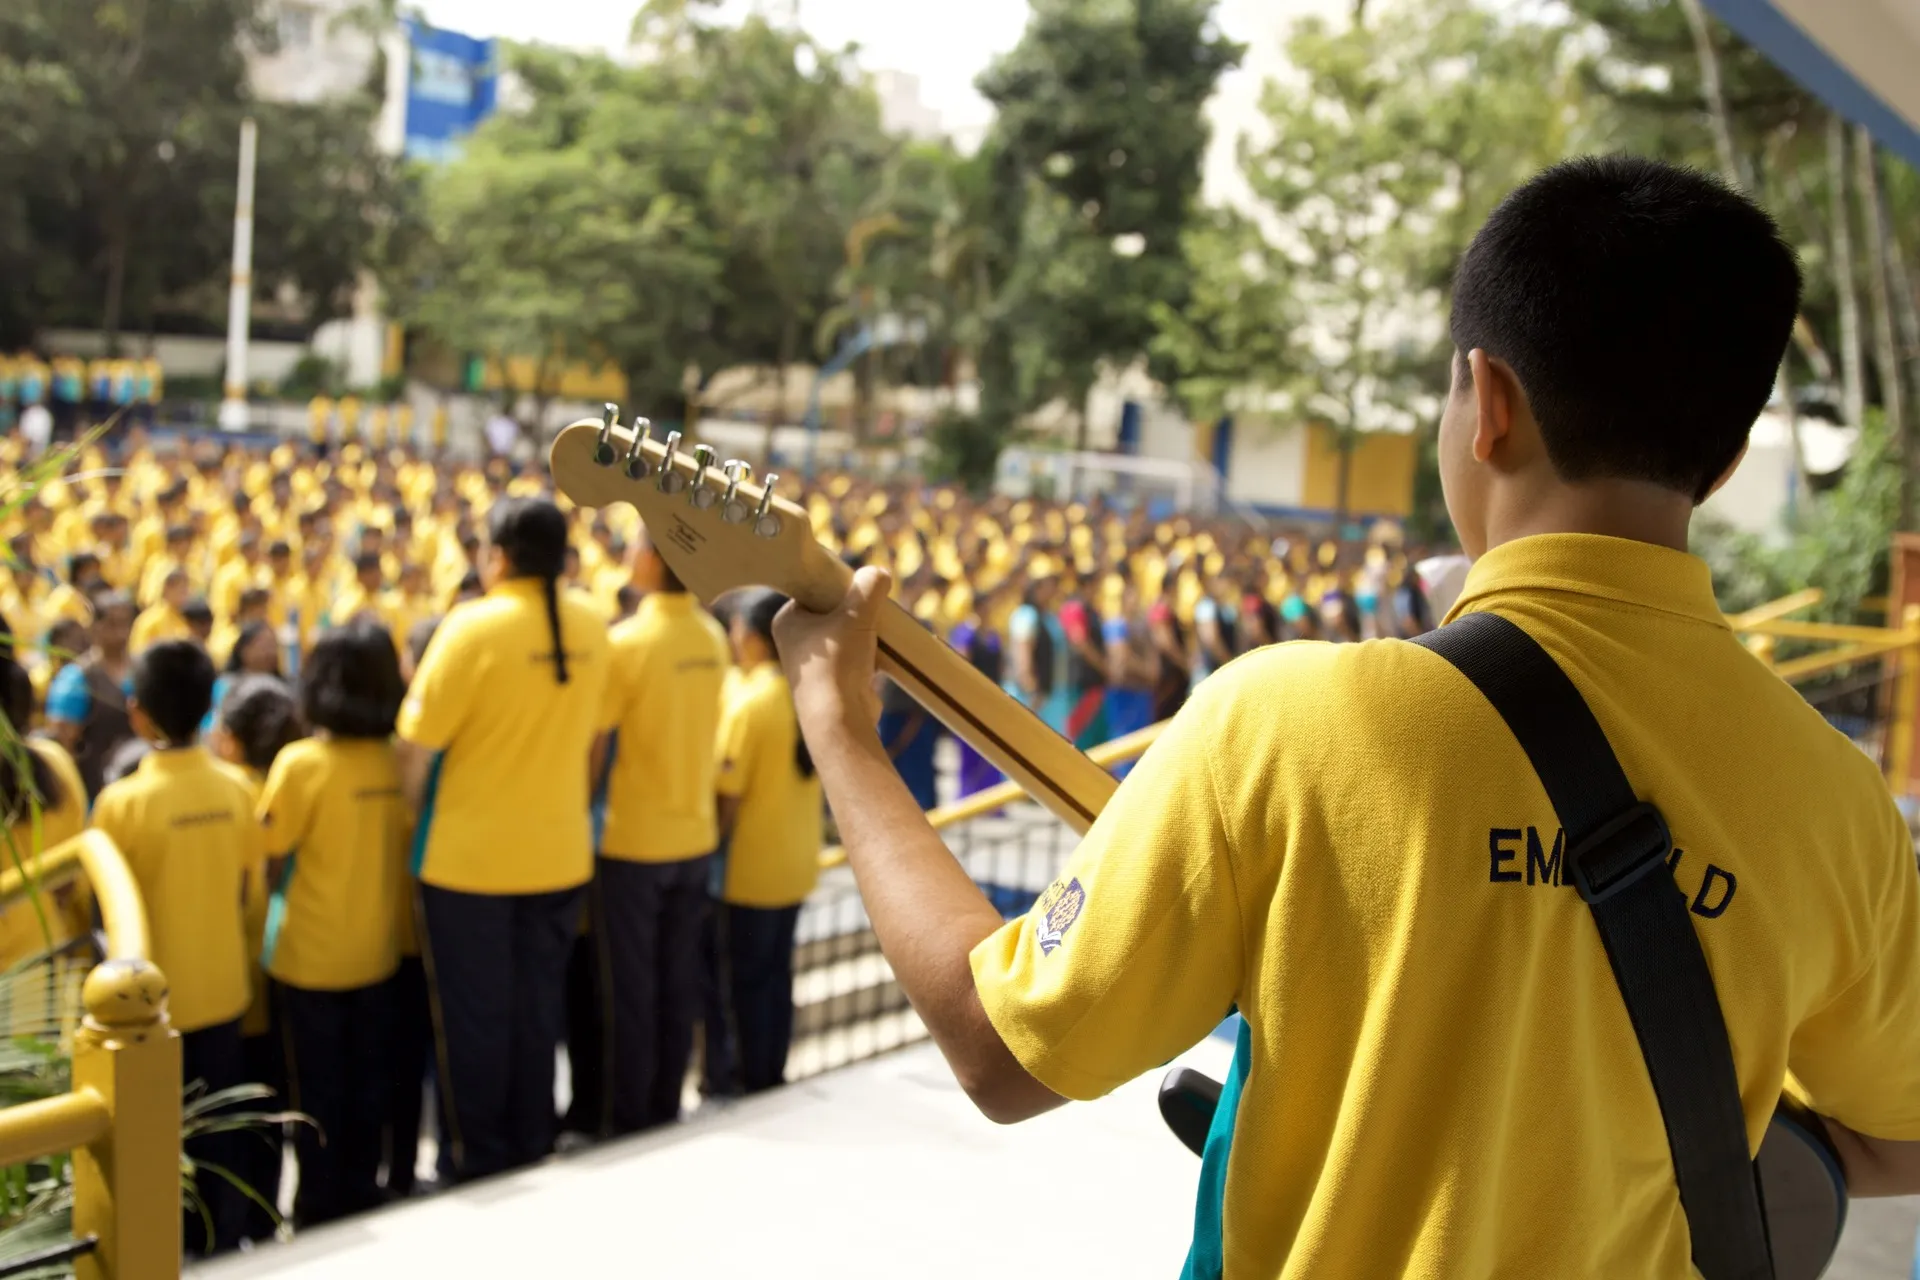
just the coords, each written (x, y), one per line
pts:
(286, 803)
(1853, 1060)
(1138, 949)
(734, 743)
(442, 690)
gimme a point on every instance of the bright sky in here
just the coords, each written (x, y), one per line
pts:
(944, 42)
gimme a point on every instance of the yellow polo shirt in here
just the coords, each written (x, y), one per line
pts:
(773, 853)
(161, 622)
(66, 898)
(506, 806)
(1440, 1078)
(185, 826)
(335, 810)
(664, 694)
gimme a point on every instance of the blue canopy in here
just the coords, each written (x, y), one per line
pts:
(1861, 57)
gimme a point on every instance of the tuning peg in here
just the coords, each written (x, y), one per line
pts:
(765, 522)
(603, 451)
(671, 481)
(702, 494)
(732, 510)
(636, 459)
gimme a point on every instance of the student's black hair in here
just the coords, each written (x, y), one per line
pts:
(240, 642)
(366, 560)
(350, 684)
(469, 581)
(756, 613)
(261, 714)
(197, 611)
(79, 561)
(16, 701)
(173, 682)
(1644, 308)
(533, 535)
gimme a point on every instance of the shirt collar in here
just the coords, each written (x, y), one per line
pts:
(173, 761)
(1588, 564)
(528, 587)
(673, 603)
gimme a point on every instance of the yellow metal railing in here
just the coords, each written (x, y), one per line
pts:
(981, 803)
(121, 1119)
(1897, 648)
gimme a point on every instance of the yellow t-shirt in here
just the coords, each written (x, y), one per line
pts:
(773, 854)
(1347, 843)
(66, 897)
(506, 806)
(664, 694)
(334, 808)
(185, 825)
(161, 622)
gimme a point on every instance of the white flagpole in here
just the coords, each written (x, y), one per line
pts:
(233, 408)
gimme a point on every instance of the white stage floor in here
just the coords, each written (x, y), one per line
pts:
(879, 1170)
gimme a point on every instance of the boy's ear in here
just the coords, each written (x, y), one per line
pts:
(141, 722)
(1494, 392)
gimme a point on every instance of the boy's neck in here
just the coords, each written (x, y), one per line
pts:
(1630, 509)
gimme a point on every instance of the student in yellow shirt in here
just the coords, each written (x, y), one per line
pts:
(1348, 844)
(770, 823)
(365, 596)
(49, 808)
(337, 833)
(495, 737)
(184, 823)
(650, 901)
(255, 718)
(166, 618)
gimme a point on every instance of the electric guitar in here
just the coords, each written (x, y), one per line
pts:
(720, 531)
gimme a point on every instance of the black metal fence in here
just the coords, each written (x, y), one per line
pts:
(847, 1005)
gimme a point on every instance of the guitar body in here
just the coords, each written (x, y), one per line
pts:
(719, 532)
(1803, 1190)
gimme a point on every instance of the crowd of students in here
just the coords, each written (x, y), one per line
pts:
(422, 774)
(50, 396)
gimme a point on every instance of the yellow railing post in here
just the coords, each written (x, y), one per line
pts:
(1900, 745)
(126, 1185)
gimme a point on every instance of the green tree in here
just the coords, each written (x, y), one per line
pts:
(1095, 161)
(118, 167)
(1399, 132)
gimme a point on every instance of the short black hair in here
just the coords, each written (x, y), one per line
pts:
(1644, 308)
(173, 682)
(261, 714)
(366, 560)
(350, 684)
(79, 562)
(197, 611)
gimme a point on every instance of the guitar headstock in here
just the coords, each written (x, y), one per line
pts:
(716, 528)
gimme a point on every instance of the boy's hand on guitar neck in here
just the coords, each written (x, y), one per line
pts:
(830, 657)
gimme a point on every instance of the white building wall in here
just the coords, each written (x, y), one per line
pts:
(1267, 464)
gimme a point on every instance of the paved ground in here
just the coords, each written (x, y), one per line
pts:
(1878, 1244)
(875, 1172)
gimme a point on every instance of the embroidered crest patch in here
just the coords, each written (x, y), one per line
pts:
(1059, 907)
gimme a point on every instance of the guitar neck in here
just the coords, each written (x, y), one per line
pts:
(996, 724)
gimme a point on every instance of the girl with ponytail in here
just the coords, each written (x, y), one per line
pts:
(500, 722)
(770, 829)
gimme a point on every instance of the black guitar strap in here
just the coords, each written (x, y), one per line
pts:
(1617, 853)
